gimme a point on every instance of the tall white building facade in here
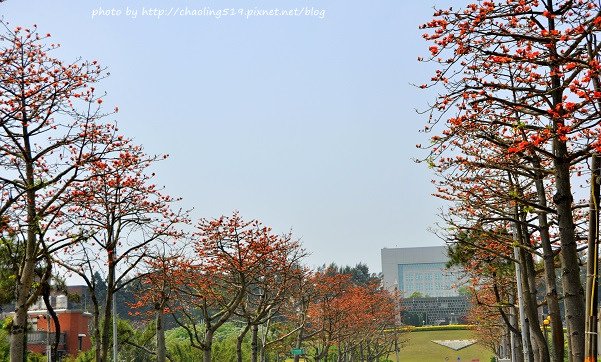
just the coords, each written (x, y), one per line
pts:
(421, 269)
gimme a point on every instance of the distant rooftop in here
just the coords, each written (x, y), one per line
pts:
(416, 255)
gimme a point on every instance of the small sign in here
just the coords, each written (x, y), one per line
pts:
(297, 351)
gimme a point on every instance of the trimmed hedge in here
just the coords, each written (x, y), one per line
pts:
(451, 327)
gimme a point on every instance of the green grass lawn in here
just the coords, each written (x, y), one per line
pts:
(418, 348)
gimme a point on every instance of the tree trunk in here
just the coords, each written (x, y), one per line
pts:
(523, 290)
(23, 289)
(52, 314)
(96, 322)
(106, 330)
(239, 341)
(297, 345)
(530, 307)
(18, 334)
(541, 352)
(517, 353)
(572, 287)
(361, 356)
(208, 345)
(323, 354)
(263, 356)
(108, 310)
(160, 331)
(548, 259)
(255, 343)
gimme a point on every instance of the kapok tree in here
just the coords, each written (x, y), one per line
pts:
(368, 329)
(118, 217)
(289, 325)
(489, 327)
(489, 201)
(490, 183)
(326, 313)
(230, 254)
(49, 131)
(268, 290)
(486, 258)
(529, 70)
(349, 309)
(158, 286)
(488, 204)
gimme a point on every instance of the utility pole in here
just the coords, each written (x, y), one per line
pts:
(513, 321)
(592, 264)
(114, 300)
(115, 327)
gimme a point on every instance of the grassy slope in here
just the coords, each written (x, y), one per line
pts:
(419, 348)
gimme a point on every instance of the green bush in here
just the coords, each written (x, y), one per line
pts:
(4, 345)
(87, 356)
(35, 357)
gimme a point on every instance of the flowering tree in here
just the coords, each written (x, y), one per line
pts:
(268, 290)
(291, 323)
(489, 218)
(486, 259)
(368, 329)
(118, 216)
(49, 131)
(159, 284)
(359, 319)
(229, 261)
(327, 312)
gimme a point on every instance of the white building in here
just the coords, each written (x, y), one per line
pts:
(420, 270)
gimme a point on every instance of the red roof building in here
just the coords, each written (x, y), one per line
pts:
(74, 324)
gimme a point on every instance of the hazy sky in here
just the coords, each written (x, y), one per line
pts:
(305, 122)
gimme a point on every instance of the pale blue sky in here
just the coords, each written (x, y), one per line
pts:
(305, 123)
